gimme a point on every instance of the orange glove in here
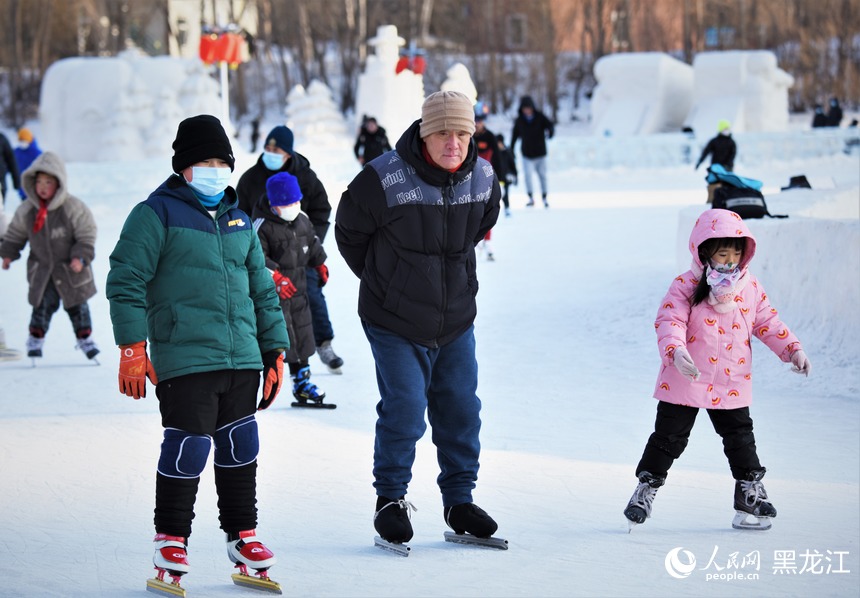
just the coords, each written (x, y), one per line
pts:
(134, 367)
(273, 374)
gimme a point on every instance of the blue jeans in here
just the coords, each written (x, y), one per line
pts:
(537, 165)
(319, 309)
(443, 381)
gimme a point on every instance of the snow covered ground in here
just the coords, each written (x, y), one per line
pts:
(568, 362)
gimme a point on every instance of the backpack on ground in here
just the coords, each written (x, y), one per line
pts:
(739, 194)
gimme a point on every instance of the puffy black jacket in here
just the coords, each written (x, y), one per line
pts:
(252, 186)
(722, 149)
(408, 230)
(290, 248)
(534, 131)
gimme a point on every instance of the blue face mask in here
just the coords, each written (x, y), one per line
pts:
(209, 181)
(273, 161)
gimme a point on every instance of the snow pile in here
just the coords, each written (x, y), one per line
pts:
(394, 99)
(313, 114)
(744, 87)
(640, 93)
(123, 108)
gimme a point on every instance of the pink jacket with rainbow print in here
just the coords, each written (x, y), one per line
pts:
(716, 335)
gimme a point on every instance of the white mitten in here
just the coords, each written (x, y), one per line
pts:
(800, 363)
(685, 364)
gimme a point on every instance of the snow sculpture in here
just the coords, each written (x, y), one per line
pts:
(459, 79)
(744, 87)
(313, 115)
(394, 99)
(121, 108)
(640, 94)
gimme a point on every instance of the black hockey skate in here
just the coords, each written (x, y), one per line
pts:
(752, 511)
(329, 357)
(391, 521)
(639, 507)
(472, 525)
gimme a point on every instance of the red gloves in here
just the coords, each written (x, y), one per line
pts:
(273, 374)
(322, 270)
(134, 367)
(285, 287)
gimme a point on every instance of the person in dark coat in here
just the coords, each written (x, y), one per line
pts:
(407, 226)
(534, 128)
(819, 119)
(8, 166)
(721, 148)
(371, 143)
(834, 113)
(291, 247)
(279, 156)
(506, 171)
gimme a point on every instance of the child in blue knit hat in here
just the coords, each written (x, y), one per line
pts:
(290, 246)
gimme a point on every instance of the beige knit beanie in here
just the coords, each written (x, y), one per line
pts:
(447, 111)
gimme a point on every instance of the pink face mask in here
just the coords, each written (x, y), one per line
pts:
(722, 278)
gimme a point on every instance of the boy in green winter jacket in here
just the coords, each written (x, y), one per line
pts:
(189, 276)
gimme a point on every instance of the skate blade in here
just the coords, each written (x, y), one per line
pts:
(631, 525)
(742, 521)
(310, 405)
(490, 542)
(336, 371)
(256, 583)
(401, 549)
(156, 586)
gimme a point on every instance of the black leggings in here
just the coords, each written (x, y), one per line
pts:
(672, 431)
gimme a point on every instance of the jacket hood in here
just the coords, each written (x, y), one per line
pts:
(715, 224)
(50, 163)
(526, 102)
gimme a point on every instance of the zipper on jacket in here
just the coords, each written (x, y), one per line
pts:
(447, 196)
(226, 285)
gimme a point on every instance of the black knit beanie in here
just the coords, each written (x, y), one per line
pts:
(200, 138)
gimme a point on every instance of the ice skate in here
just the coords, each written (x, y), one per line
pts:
(531, 202)
(170, 558)
(246, 551)
(329, 357)
(752, 511)
(89, 348)
(306, 393)
(34, 347)
(391, 522)
(639, 507)
(472, 525)
(545, 202)
(507, 212)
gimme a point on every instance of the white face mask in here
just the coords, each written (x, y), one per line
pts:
(290, 212)
(209, 181)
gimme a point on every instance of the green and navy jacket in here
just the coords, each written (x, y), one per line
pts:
(195, 286)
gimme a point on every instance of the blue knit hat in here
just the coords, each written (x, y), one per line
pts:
(282, 189)
(282, 137)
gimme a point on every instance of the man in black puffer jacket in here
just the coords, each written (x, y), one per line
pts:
(407, 226)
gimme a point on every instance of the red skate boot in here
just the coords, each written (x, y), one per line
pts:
(246, 551)
(171, 558)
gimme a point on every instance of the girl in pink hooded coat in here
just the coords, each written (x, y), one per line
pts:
(705, 326)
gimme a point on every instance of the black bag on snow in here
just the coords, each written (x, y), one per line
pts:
(745, 202)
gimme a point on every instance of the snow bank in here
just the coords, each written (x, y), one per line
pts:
(641, 93)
